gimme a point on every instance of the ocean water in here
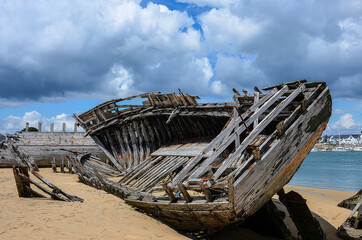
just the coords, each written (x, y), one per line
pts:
(331, 170)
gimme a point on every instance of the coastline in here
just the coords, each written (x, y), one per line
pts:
(103, 215)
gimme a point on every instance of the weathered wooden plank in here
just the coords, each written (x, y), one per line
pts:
(257, 130)
(109, 155)
(135, 145)
(283, 84)
(140, 170)
(141, 144)
(205, 191)
(149, 172)
(122, 147)
(184, 192)
(169, 193)
(147, 139)
(127, 143)
(168, 170)
(281, 164)
(188, 150)
(205, 165)
(161, 172)
(114, 150)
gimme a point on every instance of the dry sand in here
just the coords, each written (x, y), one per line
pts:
(104, 216)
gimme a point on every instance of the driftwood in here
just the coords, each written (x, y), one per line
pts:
(205, 165)
(308, 226)
(352, 227)
(23, 180)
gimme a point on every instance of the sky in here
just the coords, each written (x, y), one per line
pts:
(63, 57)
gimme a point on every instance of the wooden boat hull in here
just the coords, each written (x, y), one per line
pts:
(247, 159)
(190, 216)
(250, 194)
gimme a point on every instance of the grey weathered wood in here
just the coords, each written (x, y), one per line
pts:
(53, 195)
(162, 169)
(218, 139)
(165, 172)
(109, 155)
(54, 166)
(124, 155)
(149, 171)
(19, 183)
(283, 84)
(257, 130)
(62, 166)
(271, 174)
(256, 99)
(143, 171)
(134, 142)
(239, 130)
(130, 154)
(114, 151)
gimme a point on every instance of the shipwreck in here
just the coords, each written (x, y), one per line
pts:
(204, 165)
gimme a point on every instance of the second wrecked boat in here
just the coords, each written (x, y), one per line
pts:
(205, 165)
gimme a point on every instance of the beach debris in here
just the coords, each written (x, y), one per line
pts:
(23, 180)
(308, 226)
(44, 147)
(351, 202)
(352, 227)
(202, 166)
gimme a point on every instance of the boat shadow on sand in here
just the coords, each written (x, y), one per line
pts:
(236, 232)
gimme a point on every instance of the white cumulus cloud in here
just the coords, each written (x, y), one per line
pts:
(345, 123)
(12, 124)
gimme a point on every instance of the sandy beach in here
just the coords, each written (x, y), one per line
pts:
(104, 216)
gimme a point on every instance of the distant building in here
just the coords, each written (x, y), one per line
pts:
(351, 139)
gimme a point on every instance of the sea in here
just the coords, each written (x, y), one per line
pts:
(330, 170)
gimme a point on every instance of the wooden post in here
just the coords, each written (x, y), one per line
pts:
(231, 190)
(19, 183)
(26, 127)
(206, 191)
(280, 128)
(185, 194)
(169, 193)
(303, 105)
(51, 127)
(39, 126)
(62, 166)
(75, 127)
(256, 153)
(64, 127)
(70, 167)
(54, 166)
